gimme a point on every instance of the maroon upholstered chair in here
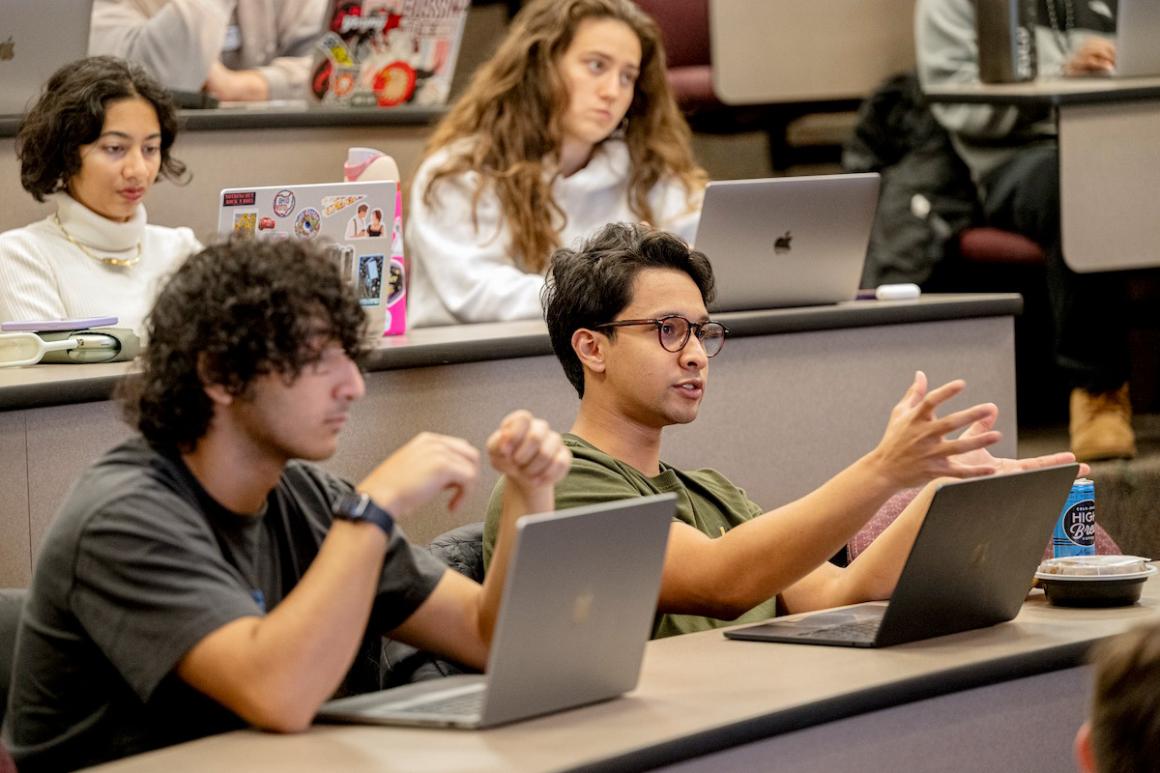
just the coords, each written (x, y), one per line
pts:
(894, 506)
(685, 30)
(994, 245)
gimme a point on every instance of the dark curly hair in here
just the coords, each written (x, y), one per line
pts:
(1125, 714)
(233, 312)
(71, 112)
(591, 285)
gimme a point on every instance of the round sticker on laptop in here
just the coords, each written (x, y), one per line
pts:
(283, 203)
(306, 224)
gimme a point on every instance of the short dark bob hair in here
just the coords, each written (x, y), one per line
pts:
(591, 285)
(232, 313)
(71, 112)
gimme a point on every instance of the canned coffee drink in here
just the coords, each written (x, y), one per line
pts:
(1075, 532)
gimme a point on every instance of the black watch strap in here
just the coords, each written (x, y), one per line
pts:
(357, 506)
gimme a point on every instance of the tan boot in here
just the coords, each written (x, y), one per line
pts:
(1101, 425)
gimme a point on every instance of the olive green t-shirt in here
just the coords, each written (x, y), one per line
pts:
(706, 500)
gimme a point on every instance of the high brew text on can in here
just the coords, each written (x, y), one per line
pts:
(1075, 531)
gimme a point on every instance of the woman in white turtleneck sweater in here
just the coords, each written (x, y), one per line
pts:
(95, 141)
(570, 126)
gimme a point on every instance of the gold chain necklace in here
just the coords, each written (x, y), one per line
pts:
(107, 260)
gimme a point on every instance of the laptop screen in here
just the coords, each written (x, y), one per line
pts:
(355, 220)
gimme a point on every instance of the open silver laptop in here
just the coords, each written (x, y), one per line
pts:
(355, 221)
(971, 565)
(36, 38)
(1137, 38)
(577, 611)
(787, 241)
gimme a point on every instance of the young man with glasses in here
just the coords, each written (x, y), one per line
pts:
(628, 320)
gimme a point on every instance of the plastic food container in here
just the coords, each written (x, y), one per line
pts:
(1094, 581)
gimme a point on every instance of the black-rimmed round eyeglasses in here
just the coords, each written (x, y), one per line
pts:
(674, 331)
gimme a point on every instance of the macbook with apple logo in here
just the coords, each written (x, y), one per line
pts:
(37, 37)
(787, 241)
(577, 612)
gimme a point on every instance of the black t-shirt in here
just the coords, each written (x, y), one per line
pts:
(140, 565)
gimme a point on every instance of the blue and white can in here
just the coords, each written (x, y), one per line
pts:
(1075, 531)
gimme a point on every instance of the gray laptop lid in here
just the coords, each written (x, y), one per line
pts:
(578, 607)
(971, 565)
(1138, 38)
(36, 38)
(787, 241)
(576, 614)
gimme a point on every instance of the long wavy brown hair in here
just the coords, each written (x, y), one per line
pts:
(511, 112)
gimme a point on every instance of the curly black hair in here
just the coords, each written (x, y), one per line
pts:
(591, 285)
(232, 313)
(71, 112)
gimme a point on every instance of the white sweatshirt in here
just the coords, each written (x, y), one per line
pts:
(459, 274)
(44, 276)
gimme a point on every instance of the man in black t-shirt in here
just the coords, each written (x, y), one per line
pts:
(199, 577)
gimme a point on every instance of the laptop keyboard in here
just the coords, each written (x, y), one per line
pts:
(862, 630)
(465, 704)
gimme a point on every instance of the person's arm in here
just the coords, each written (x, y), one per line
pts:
(874, 574)
(178, 43)
(275, 671)
(289, 35)
(727, 576)
(298, 28)
(470, 270)
(236, 85)
(458, 619)
(946, 46)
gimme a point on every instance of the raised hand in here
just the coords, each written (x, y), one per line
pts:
(915, 447)
(427, 465)
(982, 456)
(528, 451)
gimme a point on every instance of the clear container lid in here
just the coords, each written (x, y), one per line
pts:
(1094, 566)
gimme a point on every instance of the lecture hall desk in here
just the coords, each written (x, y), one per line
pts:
(1005, 698)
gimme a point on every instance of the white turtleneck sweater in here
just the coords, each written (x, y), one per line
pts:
(44, 276)
(459, 274)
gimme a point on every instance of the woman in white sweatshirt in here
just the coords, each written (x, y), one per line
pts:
(570, 126)
(95, 142)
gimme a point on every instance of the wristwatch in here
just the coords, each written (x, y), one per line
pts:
(359, 507)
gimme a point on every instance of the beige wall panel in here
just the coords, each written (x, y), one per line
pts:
(62, 442)
(15, 566)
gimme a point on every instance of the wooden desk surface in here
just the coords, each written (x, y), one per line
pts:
(1055, 91)
(697, 693)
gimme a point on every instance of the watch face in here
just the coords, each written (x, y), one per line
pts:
(354, 505)
(360, 507)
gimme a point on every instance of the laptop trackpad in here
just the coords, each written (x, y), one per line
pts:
(854, 614)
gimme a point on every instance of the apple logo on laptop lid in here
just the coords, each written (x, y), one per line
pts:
(781, 245)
